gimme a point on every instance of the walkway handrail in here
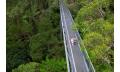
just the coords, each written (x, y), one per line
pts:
(66, 51)
(81, 45)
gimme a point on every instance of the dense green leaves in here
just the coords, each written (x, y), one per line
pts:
(94, 38)
(49, 65)
(31, 67)
(38, 48)
(33, 34)
(53, 65)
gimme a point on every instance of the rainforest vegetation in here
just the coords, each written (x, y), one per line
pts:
(34, 40)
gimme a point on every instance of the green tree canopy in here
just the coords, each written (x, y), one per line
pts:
(53, 65)
(29, 67)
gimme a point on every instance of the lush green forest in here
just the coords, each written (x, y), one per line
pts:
(95, 21)
(34, 40)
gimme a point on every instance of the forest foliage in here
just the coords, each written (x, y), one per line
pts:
(34, 37)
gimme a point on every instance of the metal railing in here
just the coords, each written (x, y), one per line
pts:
(83, 49)
(85, 53)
